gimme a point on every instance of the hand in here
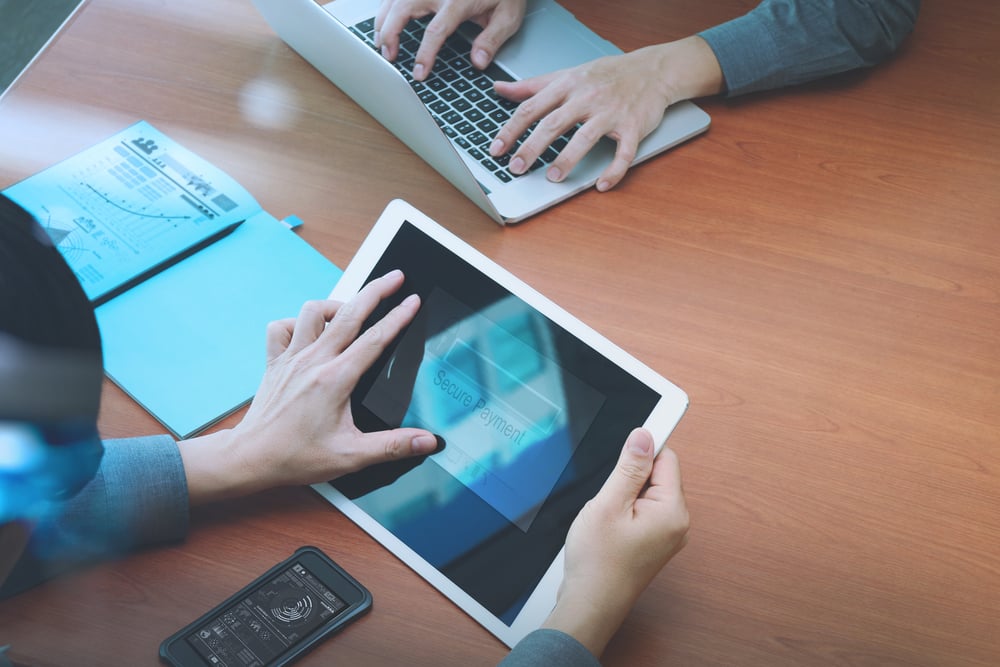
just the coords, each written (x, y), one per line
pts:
(299, 428)
(622, 97)
(620, 540)
(499, 19)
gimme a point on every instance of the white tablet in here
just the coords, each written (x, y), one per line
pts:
(533, 407)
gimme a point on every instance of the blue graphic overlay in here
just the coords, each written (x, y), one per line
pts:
(490, 385)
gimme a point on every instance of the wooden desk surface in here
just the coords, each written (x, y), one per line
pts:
(820, 272)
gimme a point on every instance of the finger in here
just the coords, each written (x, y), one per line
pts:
(370, 345)
(518, 91)
(279, 335)
(396, 18)
(502, 23)
(584, 139)
(444, 23)
(395, 444)
(631, 473)
(311, 322)
(383, 10)
(615, 172)
(547, 131)
(344, 328)
(530, 109)
(625, 152)
(665, 478)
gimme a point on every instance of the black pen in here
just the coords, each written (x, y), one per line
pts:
(165, 264)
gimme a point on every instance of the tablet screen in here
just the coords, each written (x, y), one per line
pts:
(533, 420)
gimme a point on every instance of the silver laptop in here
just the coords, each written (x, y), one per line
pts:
(336, 39)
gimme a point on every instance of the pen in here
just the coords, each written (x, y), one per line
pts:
(165, 264)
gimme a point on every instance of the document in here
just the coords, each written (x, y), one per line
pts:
(184, 267)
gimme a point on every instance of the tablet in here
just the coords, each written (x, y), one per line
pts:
(533, 407)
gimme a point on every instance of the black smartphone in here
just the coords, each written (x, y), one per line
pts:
(275, 619)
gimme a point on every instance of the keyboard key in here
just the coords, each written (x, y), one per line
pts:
(487, 105)
(487, 126)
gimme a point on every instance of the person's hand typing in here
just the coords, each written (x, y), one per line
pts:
(499, 19)
(620, 540)
(299, 428)
(622, 97)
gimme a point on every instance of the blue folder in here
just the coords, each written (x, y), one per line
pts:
(188, 341)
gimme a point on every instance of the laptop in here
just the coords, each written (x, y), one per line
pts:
(335, 38)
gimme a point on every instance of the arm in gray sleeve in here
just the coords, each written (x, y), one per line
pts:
(549, 648)
(786, 42)
(137, 498)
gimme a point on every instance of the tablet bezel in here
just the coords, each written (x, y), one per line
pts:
(661, 421)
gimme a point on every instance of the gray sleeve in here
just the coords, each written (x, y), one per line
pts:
(786, 42)
(137, 498)
(549, 648)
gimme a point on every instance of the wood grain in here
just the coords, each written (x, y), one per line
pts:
(820, 272)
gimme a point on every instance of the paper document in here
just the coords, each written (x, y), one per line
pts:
(204, 266)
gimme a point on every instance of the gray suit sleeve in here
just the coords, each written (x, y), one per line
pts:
(549, 648)
(786, 42)
(137, 498)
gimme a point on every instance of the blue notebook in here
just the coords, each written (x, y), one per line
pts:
(184, 266)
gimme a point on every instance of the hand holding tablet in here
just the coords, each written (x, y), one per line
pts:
(533, 407)
(621, 539)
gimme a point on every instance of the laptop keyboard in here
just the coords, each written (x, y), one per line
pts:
(461, 98)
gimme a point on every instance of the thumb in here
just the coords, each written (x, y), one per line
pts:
(399, 443)
(631, 473)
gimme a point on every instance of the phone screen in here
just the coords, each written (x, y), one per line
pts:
(261, 626)
(274, 619)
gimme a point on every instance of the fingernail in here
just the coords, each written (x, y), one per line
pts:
(377, 38)
(385, 52)
(554, 174)
(395, 273)
(640, 444)
(418, 72)
(496, 148)
(603, 186)
(411, 300)
(481, 58)
(516, 165)
(424, 444)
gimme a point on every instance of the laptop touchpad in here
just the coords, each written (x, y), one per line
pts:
(550, 39)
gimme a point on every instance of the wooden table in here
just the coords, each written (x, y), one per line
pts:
(820, 272)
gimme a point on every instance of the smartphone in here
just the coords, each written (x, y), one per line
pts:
(276, 619)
